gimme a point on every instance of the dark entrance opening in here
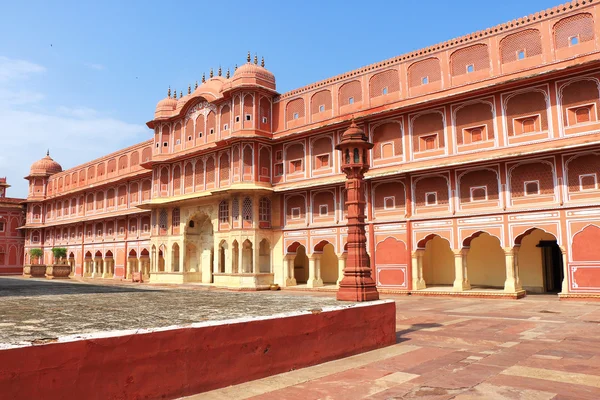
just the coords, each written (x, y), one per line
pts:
(552, 265)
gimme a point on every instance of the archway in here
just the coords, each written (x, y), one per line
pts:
(109, 265)
(145, 263)
(222, 256)
(88, 264)
(132, 263)
(71, 261)
(438, 262)
(98, 264)
(247, 256)
(199, 236)
(264, 256)
(161, 259)
(175, 258)
(486, 262)
(301, 265)
(235, 256)
(540, 261)
(328, 262)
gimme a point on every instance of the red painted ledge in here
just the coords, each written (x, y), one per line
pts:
(171, 362)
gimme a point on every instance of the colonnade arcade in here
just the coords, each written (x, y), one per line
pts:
(200, 254)
(535, 263)
(99, 264)
(323, 266)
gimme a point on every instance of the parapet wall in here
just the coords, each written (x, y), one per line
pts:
(178, 361)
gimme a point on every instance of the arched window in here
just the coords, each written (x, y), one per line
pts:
(162, 222)
(236, 209)
(247, 210)
(176, 219)
(224, 212)
(264, 211)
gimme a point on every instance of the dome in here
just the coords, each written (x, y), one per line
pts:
(354, 133)
(250, 73)
(165, 106)
(45, 166)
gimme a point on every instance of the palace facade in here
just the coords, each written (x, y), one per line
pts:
(483, 176)
(12, 240)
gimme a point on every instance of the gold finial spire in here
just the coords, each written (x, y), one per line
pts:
(262, 62)
(227, 76)
(196, 86)
(48, 152)
(211, 73)
(255, 59)
(203, 78)
(248, 57)
(235, 69)
(180, 94)
(169, 92)
(189, 89)
(220, 71)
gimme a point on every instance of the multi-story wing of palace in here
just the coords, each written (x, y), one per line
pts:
(484, 173)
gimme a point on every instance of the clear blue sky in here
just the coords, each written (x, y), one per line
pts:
(82, 77)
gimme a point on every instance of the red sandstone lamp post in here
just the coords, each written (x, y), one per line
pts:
(357, 284)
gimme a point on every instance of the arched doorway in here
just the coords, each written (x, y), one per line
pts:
(109, 265)
(145, 263)
(235, 257)
(247, 256)
(328, 263)
(438, 262)
(199, 244)
(98, 265)
(88, 264)
(71, 261)
(161, 258)
(264, 256)
(301, 265)
(175, 258)
(132, 263)
(486, 262)
(540, 261)
(222, 256)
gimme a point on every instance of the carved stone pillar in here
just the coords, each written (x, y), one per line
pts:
(565, 260)
(357, 284)
(418, 282)
(313, 271)
(510, 285)
(460, 270)
(290, 279)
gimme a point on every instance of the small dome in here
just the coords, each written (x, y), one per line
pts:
(253, 74)
(182, 100)
(354, 133)
(165, 107)
(45, 166)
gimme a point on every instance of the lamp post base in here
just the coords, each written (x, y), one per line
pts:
(357, 291)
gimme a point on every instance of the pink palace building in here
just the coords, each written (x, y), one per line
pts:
(483, 177)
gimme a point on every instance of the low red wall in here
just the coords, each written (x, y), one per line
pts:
(178, 362)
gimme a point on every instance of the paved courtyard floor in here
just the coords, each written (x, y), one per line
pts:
(536, 348)
(34, 310)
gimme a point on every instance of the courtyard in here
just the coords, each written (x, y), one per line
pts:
(536, 348)
(37, 310)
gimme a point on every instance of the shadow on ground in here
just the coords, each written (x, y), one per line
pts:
(414, 328)
(39, 287)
